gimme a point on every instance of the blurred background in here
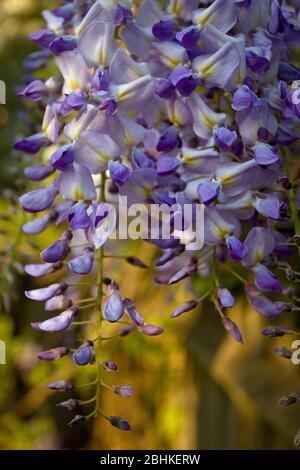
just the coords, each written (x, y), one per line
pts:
(195, 387)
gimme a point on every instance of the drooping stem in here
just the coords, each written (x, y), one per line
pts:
(98, 346)
(235, 274)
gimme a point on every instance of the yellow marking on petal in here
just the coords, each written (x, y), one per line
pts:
(139, 73)
(73, 84)
(77, 194)
(75, 135)
(222, 232)
(46, 132)
(176, 8)
(101, 57)
(209, 121)
(122, 95)
(175, 118)
(206, 70)
(128, 140)
(258, 256)
(47, 129)
(204, 18)
(227, 179)
(104, 155)
(147, 192)
(175, 61)
(160, 116)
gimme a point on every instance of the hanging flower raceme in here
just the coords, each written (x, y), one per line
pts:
(189, 106)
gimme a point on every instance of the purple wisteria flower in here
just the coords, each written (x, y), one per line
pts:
(185, 104)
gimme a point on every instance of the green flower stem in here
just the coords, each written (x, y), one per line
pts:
(87, 306)
(87, 384)
(106, 338)
(204, 296)
(218, 308)
(238, 276)
(79, 284)
(83, 301)
(85, 402)
(115, 256)
(109, 387)
(98, 346)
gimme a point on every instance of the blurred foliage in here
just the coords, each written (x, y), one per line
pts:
(195, 387)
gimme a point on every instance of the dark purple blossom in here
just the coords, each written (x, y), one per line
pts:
(38, 225)
(53, 354)
(169, 140)
(62, 44)
(134, 261)
(277, 331)
(43, 37)
(78, 419)
(164, 29)
(209, 191)
(265, 280)
(119, 423)
(185, 307)
(119, 173)
(188, 37)
(82, 264)
(114, 306)
(39, 199)
(46, 293)
(225, 297)
(109, 366)
(152, 330)
(32, 144)
(233, 329)
(224, 138)
(124, 391)
(70, 404)
(38, 270)
(35, 91)
(58, 323)
(84, 355)
(167, 165)
(184, 80)
(121, 15)
(264, 154)
(57, 250)
(133, 313)
(236, 249)
(38, 172)
(61, 385)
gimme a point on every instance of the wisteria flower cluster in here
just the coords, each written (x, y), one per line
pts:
(192, 103)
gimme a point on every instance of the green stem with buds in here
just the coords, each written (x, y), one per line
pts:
(98, 346)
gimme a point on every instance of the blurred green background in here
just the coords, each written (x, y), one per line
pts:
(195, 388)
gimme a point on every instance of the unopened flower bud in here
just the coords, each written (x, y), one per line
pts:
(119, 423)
